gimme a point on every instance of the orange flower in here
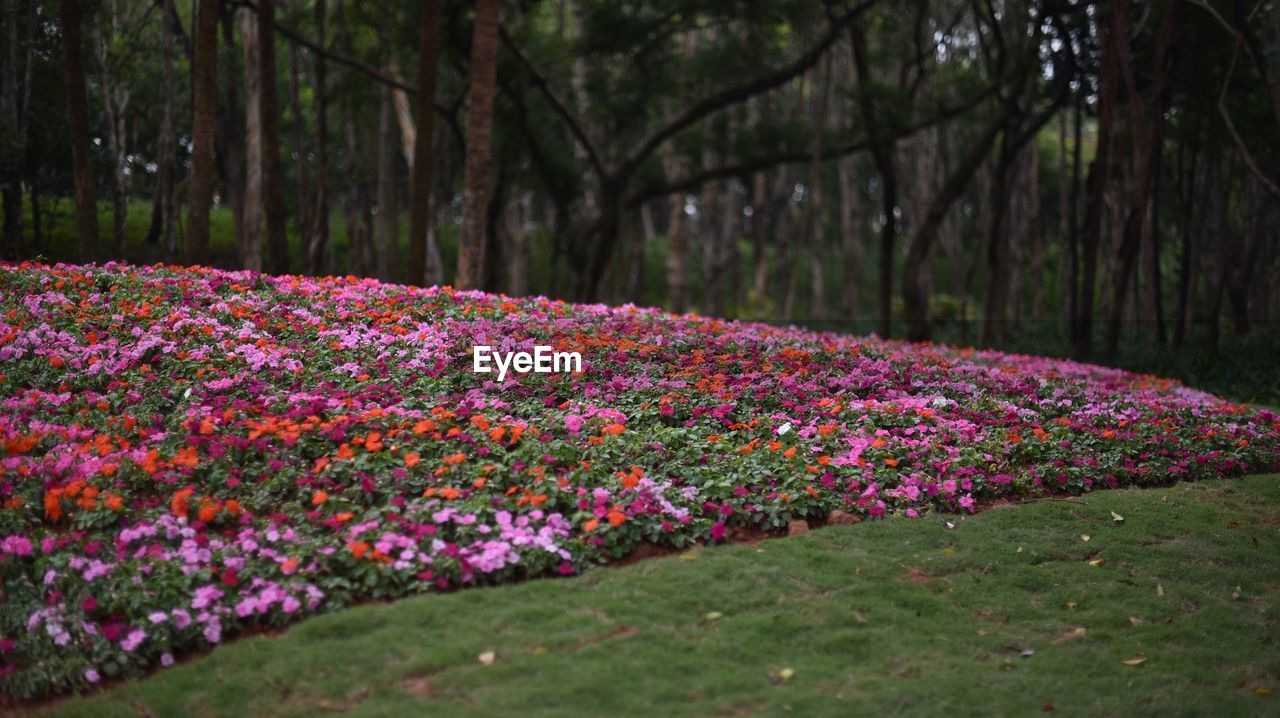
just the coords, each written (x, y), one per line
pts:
(53, 504)
(454, 459)
(789, 452)
(630, 479)
(179, 505)
(345, 452)
(373, 442)
(208, 510)
(616, 517)
(186, 456)
(411, 459)
(590, 525)
(424, 426)
(358, 548)
(232, 507)
(449, 493)
(890, 462)
(319, 498)
(497, 433)
(613, 429)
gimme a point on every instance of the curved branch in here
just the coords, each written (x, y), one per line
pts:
(738, 93)
(755, 164)
(557, 106)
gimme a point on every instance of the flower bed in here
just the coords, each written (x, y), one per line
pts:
(189, 453)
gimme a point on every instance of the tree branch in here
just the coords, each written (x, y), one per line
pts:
(755, 164)
(1257, 172)
(349, 62)
(557, 106)
(738, 93)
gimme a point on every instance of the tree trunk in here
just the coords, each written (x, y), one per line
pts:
(1187, 204)
(1096, 185)
(882, 151)
(269, 119)
(115, 101)
(167, 167)
(229, 132)
(78, 123)
(420, 206)
(850, 236)
(13, 140)
(915, 299)
(1073, 227)
(251, 216)
(204, 90)
(388, 193)
(677, 256)
(476, 185)
(302, 169)
(1147, 148)
(319, 255)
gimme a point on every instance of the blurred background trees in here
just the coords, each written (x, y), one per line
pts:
(1087, 178)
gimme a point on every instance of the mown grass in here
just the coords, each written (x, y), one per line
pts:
(1004, 614)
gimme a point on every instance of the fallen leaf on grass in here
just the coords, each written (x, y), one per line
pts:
(1135, 661)
(1236, 593)
(1117, 517)
(1160, 590)
(714, 616)
(1262, 690)
(1085, 537)
(1136, 621)
(782, 676)
(487, 658)
(1097, 562)
(1027, 652)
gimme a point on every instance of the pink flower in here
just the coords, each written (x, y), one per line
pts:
(16, 545)
(718, 531)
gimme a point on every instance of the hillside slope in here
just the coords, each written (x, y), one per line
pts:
(192, 452)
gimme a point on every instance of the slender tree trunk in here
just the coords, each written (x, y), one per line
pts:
(269, 109)
(850, 236)
(78, 122)
(229, 131)
(37, 219)
(13, 138)
(251, 230)
(115, 101)
(205, 88)
(1073, 228)
(167, 169)
(1097, 183)
(1187, 202)
(882, 151)
(302, 167)
(388, 194)
(1147, 147)
(996, 243)
(760, 212)
(319, 254)
(915, 299)
(420, 206)
(677, 256)
(476, 185)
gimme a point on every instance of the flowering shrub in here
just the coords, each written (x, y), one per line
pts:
(189, 452)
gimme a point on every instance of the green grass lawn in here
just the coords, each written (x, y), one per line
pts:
(1009, 613)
